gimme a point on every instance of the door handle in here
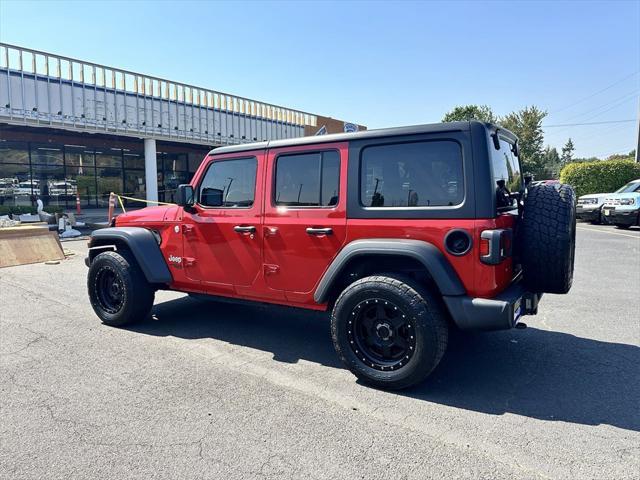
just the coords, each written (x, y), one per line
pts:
(319, 231)
(243, 229)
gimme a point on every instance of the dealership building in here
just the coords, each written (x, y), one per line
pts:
(74, 129)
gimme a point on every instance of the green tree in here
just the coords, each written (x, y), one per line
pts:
(629, 156)
(567, 152)
(551, 162)
(471, 112)
(585, 159)
(527, 125)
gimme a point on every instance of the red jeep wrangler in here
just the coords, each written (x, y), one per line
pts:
(400, 233)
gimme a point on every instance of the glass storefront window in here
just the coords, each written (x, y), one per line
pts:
(57, 172)
(46, 154)
(134, 186)
(170, 183)
(78, 156)
(81, 180)
(14, 152)
(49, 184)
(175, 162)
(109, 158)
(133, 160)
(195, 159)
(15, 185)
(108, 180)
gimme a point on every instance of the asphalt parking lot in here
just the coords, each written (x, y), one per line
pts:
(214, 390)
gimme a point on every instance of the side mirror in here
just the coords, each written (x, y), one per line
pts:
(211, 197)
(185, 196)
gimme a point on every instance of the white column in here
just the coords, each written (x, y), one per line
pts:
(151, 168)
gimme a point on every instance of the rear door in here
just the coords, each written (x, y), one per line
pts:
(305, 216)
(222, 235)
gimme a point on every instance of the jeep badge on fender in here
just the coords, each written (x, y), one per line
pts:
(399, 233)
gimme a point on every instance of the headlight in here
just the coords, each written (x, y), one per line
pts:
(627, 201)
(590, 201)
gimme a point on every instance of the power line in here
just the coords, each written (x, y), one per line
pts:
(617, 101)
(592, 136)
(588, 123)
(596, 93)
(615, 104)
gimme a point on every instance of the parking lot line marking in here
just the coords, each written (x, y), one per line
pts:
(606, 231)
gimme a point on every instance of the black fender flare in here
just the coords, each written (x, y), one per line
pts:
(426, 253)
(142, 244)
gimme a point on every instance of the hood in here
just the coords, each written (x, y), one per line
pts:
(623, 195)
(615, 198)
(150, 214)
(593, 195)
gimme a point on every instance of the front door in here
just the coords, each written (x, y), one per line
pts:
(223, 235)
(305, 216)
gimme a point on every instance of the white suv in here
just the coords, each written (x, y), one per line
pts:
(589, 207)
(622, 208)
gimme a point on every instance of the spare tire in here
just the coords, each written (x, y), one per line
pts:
(547, 238)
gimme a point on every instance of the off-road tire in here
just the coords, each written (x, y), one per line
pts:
(136, 293)
(547, 238)
(418, 303)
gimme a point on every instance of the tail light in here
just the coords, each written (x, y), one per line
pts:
(495, 245)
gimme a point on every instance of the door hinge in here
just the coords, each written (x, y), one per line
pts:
(189, 261)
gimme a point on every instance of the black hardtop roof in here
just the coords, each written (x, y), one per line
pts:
(343, 137)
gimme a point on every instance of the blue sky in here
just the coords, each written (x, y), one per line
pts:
(376, 63)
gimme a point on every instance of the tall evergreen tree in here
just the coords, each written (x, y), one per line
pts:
(551, 162)
(567, 152)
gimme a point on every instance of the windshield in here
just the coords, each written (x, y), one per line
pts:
(507, 176)
(629, 187)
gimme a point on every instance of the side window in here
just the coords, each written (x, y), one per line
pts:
(417, 174)
(308, 179)
(229, 184)
(507, 177)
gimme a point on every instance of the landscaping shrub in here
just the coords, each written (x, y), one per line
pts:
(599, 177)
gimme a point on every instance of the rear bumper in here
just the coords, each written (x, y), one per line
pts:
(499, 313)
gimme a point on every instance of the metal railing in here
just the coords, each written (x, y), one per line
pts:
(103, 84)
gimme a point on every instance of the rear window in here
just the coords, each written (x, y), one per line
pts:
(507, 175)
(416, 174)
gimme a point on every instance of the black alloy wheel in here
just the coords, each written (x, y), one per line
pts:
(110, 290)
(381, 334)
